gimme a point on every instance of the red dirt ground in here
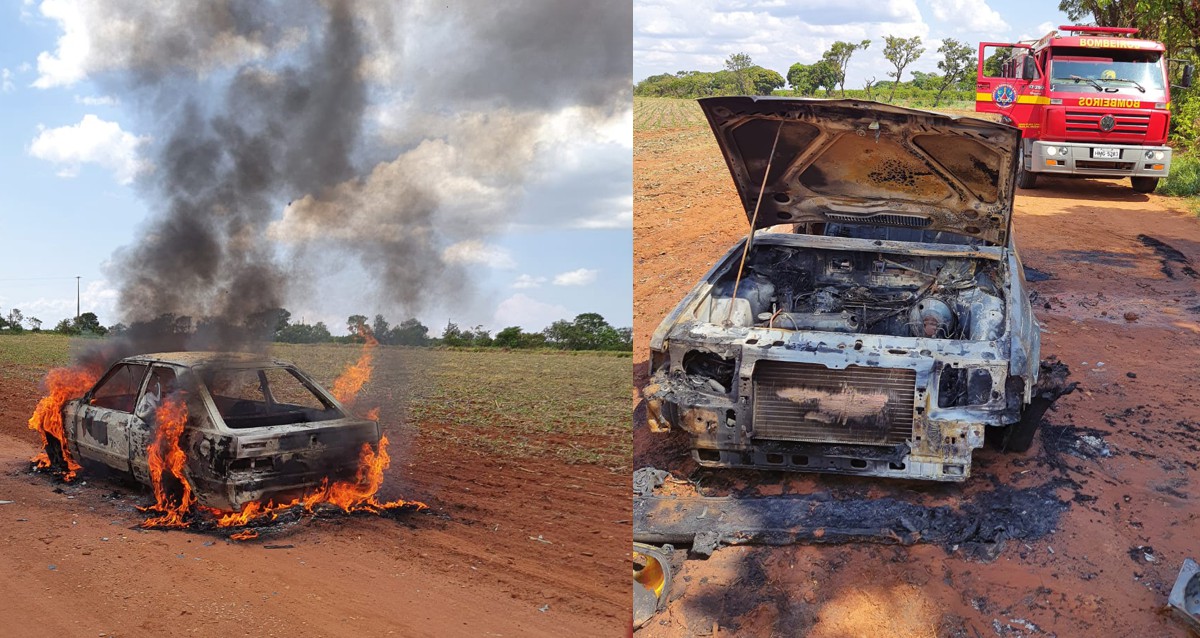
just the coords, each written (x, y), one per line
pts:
(1087, 578)
(75, 564)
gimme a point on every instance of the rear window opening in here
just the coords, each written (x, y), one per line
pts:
(261, 397)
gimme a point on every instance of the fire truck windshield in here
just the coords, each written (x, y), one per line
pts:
(1109, 71)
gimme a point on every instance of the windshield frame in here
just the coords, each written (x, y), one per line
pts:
(1144, 67)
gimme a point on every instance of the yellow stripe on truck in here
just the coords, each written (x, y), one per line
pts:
(1021, 99)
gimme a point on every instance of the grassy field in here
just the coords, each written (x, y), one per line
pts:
(652, 113)
(571, 406)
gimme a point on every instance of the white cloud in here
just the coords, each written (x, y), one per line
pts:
(474, 251)
(96, 35)
(6, 83)
(91, 141)
(580, 277)
(615, 212)
(66, 65)
(96, 100)
(1039, 31)
(528, 281)
(970, 15)
(97, 296)
(527, 312)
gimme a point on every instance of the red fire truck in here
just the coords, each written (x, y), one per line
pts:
(1092, 103)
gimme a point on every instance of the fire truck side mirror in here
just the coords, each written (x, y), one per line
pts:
(1029, 69)
(1186, 79)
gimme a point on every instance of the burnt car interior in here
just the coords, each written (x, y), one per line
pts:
(118, 389)
(261, 397)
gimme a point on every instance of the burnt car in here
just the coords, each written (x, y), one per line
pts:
(257, 428)
(888, 329)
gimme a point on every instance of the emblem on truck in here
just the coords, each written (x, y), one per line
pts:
(1107, 123)
(1004, 96)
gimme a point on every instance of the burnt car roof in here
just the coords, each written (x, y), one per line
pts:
(862, 162)
(208, 359)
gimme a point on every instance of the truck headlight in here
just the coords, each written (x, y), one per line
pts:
(1155, 155)
(1052, 150)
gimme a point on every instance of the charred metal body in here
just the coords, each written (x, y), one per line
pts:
(257, 428)
(887, 332)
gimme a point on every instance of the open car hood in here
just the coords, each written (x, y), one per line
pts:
(854, 161)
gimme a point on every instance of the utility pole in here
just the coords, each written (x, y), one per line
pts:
(77, 297)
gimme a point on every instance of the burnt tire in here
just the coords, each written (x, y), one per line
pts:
(54, 452)
(1018, 437)
(1144, 184)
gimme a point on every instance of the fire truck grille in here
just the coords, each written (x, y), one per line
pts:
(1126, 123)
(812, 403)
(1105, 166)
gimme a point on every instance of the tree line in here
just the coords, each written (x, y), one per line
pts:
(588, 331)
(821, 78)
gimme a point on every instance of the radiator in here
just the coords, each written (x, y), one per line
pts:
(809, 402)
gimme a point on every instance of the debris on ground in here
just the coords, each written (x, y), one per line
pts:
(648, 479)
(979, 526)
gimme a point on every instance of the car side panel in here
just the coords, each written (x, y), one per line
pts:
(101, 436)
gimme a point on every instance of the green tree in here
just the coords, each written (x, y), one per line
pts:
(410, 332)
(35, 324)
(838, 57)
(957, 61)
(304, 333)
(509, 337)
(739, 65)
(356, 325)
(589, 331)
(925, 81)
(381, 329)
(765, 81)
(268, 322)
(89, 323)
(802, 79)
(900, 52)
(455, 336)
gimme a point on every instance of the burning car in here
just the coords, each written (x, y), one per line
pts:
(251, 429)
(888, 330)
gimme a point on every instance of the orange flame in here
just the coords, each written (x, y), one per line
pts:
(350, 382)
(244, 535)
(63, 385)
(349, 496)
(165, 456)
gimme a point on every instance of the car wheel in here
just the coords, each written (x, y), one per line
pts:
(1144, 184)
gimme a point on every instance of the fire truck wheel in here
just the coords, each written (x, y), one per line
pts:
(1026, 179)
(1144, 184)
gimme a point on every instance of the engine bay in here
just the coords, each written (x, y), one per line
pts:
(797, 288)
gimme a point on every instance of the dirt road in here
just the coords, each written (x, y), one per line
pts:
(74, 563)
(1120, 307)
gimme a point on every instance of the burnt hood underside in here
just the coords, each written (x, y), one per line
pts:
(854, 161)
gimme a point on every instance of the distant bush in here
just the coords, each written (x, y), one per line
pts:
(1184, 179)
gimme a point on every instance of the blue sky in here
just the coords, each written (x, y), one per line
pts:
(686, 35)
(78, 161)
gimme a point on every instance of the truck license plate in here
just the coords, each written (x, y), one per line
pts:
(1106, 153)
